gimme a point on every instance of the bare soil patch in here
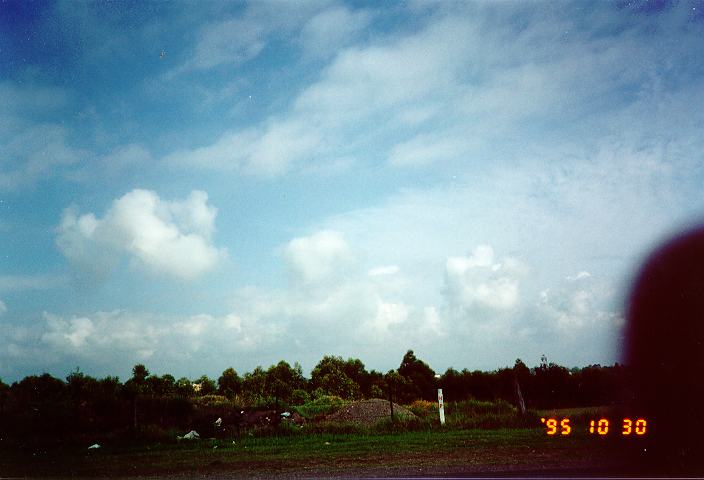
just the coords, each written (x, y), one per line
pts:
(369, 412)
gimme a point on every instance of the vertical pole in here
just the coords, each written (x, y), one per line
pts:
(441, 407)
(391, 404)
(519, 395)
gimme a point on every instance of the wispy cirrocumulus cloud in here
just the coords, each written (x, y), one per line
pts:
(110, 165)
(169, 237)
(10, 283)
(333, 29)
(230, 41)
(43, 151)
(33, 147)
(241, 38)
(455, 99)
(268, 151)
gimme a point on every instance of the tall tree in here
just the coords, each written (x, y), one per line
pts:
(330, 376)
(136, 386)
(420, 378)
(205, 386)
(253, 385)
(229, 383)
(4, 393)
(282, 380)
(184, 387)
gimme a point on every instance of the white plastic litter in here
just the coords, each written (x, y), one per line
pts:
(94, 446)
(218, 422)
(286, 414)
(192, 435)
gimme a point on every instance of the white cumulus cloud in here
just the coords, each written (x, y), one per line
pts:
(168, 237)
(477, 281)
(112, 342)
(387, 315)
(580, 276)
(384, 270)
(317, 257)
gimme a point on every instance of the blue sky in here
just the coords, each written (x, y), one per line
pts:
(195, 186)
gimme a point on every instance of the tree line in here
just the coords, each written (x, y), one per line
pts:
(83, 403)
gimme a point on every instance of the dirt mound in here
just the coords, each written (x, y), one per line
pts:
(369, 412)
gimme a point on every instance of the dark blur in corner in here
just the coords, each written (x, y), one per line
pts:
(665, 348)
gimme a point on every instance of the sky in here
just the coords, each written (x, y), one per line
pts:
(199, 185)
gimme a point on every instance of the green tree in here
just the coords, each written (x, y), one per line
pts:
(106, 399)
(420, 378)
(330, 375)
(82, 390)
(42, 404)
(139, 374)
(453, 384)
(161, 386)
(253, 385)
(79, 385)
(281, 380)
(372, 384)
(184, 387)
(229, 383)
(299, 397)
(136, 386)
(395, 383)
(205, 386)
(4, 394)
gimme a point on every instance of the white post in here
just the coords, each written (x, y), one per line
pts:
(441, 407)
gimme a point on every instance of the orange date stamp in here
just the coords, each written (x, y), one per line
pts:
(603, 426)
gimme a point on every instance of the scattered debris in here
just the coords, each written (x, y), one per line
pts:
(218, 422)
(192, 435)
(95, 446)
(286, 414)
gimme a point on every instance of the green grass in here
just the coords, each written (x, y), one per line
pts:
(580, 415)
(481, 435)
(327, 453)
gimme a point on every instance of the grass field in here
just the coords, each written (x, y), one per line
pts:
(326, 455)
(479, 437)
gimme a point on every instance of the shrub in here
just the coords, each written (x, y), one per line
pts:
(422, 408)
(477, 407)
(470, 414)
(321, 406)
(299, 397)
(212, 400)
(376, 392)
